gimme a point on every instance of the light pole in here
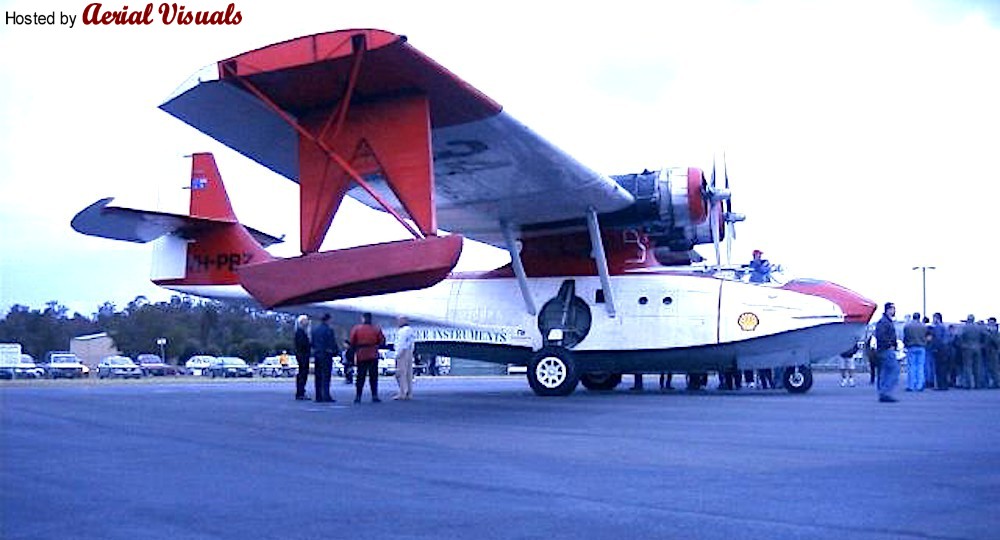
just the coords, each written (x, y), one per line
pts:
(162, 342)
(923, 272)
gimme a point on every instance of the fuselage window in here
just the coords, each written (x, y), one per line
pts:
(599, 296)
(667, 300)
(643, 300)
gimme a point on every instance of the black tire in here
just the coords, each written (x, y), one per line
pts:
(552, 372)
(600, 381)
(696, 381)
(798, 380)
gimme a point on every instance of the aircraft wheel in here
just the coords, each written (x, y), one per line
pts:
(600, 380)
(552, 372)
(696, 381)
(798, 380)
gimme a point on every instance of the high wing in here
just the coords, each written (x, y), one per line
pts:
(488, 169)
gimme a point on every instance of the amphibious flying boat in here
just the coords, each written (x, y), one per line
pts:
(599, 283)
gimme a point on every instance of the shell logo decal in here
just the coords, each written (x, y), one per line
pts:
(748, 322)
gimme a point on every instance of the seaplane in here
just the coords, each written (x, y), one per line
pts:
(600, 281)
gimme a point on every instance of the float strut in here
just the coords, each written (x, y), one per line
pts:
(515, 261)
(597, 247)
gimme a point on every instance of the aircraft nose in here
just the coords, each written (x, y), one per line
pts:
(856, 308)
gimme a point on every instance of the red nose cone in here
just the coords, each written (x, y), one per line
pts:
(856, 308)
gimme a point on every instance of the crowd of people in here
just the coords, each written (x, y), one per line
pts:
(320, 343)
(938, 355)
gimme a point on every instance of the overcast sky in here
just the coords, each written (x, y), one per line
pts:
(861, 137)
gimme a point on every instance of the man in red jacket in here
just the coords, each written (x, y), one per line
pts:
(366, 338)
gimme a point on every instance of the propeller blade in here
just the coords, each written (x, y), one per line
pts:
(713, 171)
(729, 243)
(725, 172)
(714, 224)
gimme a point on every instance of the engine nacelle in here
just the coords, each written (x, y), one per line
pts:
(671, 206)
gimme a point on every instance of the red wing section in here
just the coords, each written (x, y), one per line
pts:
(364, 111)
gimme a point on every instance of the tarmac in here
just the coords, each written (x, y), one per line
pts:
(484, 458)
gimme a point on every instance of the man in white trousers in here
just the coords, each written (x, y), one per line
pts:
(405, 340)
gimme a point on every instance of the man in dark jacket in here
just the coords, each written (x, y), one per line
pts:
(970, 341)
(940, 348)
(885, 345)
(303, 350)
(324, 344)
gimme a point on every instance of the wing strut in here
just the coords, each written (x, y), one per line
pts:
(323, 147)
(602, 261)
(515, 261)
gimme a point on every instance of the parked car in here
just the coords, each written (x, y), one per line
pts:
(152, 364)
(229, 366)
(121, 367)
(387, 362)
(27, 369)
(199, 364)
(425, 364)
(63, 364)
(19, 366)
(443, 365)
(272, 367)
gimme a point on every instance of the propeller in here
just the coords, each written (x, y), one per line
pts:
(729, 217)
(712, 195)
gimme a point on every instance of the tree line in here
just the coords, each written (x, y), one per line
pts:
(191, 326)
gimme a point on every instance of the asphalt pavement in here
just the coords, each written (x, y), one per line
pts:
(484, 458)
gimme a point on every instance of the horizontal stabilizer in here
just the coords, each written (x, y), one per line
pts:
(348, 273)
(141, 226)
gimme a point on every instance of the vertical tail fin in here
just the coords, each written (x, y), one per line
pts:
(209, 199)
(206, 253)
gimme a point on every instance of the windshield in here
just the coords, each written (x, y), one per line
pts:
(233, 361)
(119, 361)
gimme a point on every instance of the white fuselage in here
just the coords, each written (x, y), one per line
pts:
(653, 311)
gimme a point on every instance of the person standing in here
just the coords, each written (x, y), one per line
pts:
(940, 348)
(847, 366)
(915, 341)
(303, 350)
(871, 356)
(970, 340)
(324, 349)
(930, 379)
(405, 342)
(991, 352)
(366, 338)
(888, 369)
(348, 361)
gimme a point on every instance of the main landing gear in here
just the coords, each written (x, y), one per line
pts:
(552, 372)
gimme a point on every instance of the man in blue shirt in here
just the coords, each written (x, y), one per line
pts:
(760, 268)
(885, 347)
